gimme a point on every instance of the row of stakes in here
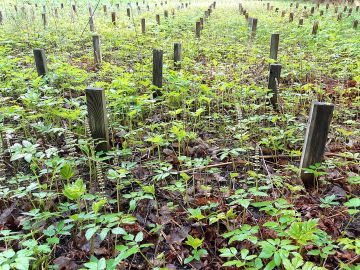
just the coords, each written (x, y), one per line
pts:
(105, 9)
(315, 137)
(312, 11)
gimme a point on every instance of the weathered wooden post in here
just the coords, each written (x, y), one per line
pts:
(321, 12)
(274, 46)
(97, 115)
(301, 21)
(315, 27)
(315, 139)
(40, 62)
(113, 18)
(250, 22)
(157, 70)
(128, 12)
(197, 29)
(177, 56)
(97, 52)
(1, 18)
(62, 5)
(105, 9)
(267, 6)
(339, 16)
(91, 24)
(202, 23)
(44, 19)
(355, 24)
(291, 16)
(357, 8)
(350, 11)
(253, 26)
(297, 5)
(56, 13)
(312, 10)
(336, 10)
(158, 19)
(143, 25)
(327, 6)
(283, 13)
(274, 78)
(74, 8)
(117, 6)
(166, 14)
(345, 8)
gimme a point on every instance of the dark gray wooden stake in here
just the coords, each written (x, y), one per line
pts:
(321, 12)
(177, 56)
(250, 22)
(97, 52)
(158, 19)
(40, 62)
(143, 26)
(74, 8)
(113, 18)
(253, 26)
(97, 115)
(315, 27)
(128, 12)
(315, 139)
(157, 69)
(291, 16)
(312, 10)
(202, 23)
(274, 78)
(355, 24)
(43, 15)
(91, 23)
(274, 46)
(283, 13)
(105, 9)
(1, 18)
(197, 29)
(301, 21)
(166, 14)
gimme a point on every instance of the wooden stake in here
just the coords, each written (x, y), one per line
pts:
(97, 51)
(113, 18)
(253, 26)
(177, 56)
(44, 19)
(274, 78)
(143, 25)
(157, 69)
(355, 24)
(291, 16)
(301, 21)
(158, 19)
(315, 139)
(91, 24)
(40, 62)
(315, 27)
(197, 29)
(128, 12)
(274, 46)
(97, 115)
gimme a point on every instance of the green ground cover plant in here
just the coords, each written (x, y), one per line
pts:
(203, 176)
